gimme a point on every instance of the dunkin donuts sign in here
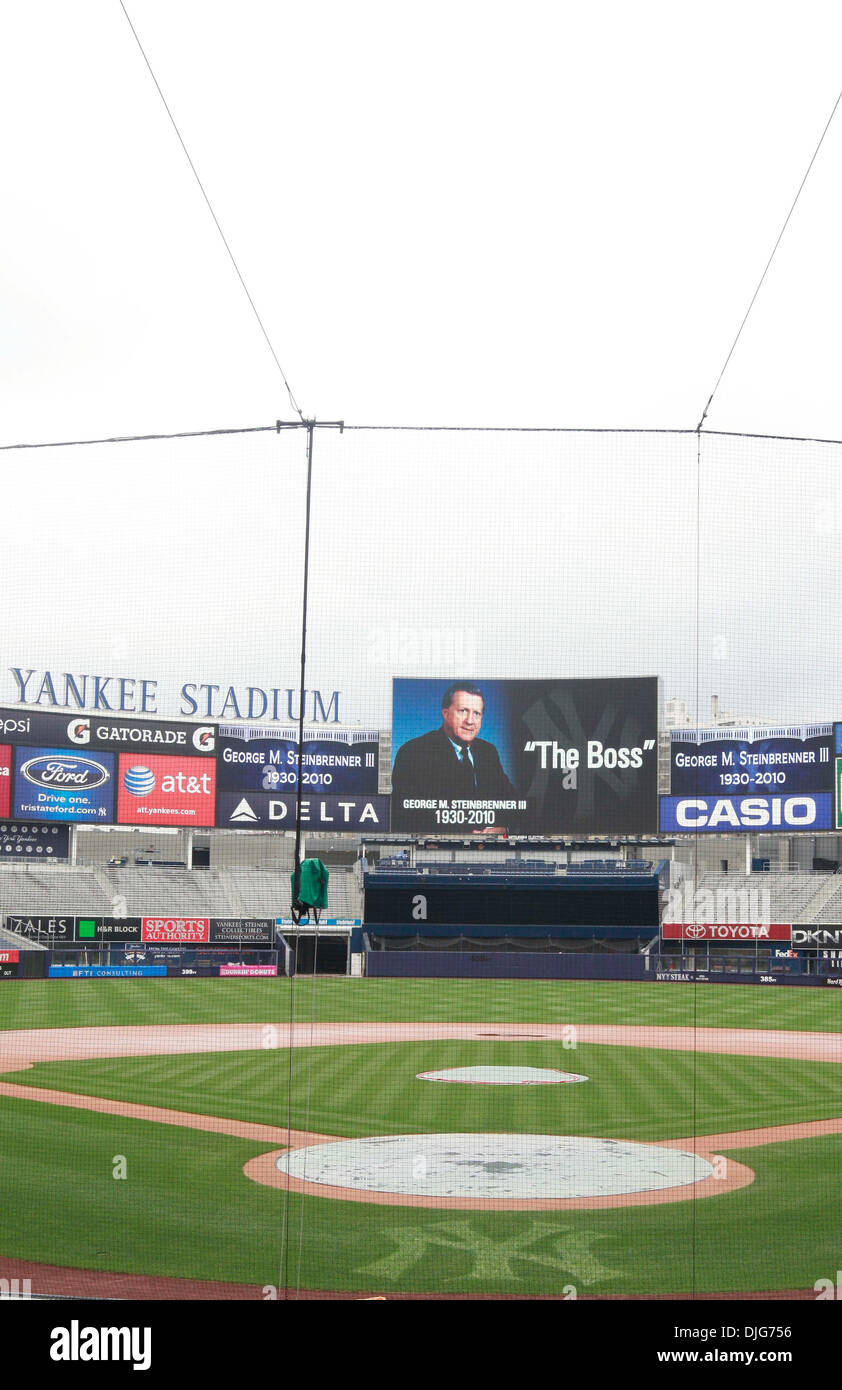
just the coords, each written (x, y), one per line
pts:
(726, 931)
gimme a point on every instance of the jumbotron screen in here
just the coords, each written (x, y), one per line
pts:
(525, 756)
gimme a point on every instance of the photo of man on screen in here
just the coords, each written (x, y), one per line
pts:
(451, 763)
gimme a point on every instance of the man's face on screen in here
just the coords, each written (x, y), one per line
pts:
(463, 716)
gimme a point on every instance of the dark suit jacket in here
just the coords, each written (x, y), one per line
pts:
(428, 767)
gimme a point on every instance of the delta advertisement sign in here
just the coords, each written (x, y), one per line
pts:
(726, 931)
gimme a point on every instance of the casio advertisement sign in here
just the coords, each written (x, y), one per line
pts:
(729, 815)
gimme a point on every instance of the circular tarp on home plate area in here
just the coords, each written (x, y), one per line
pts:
(502, 1076)
(496, 1166)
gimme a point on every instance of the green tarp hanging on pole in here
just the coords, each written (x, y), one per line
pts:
(312, 889)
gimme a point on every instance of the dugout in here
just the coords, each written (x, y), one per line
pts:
(322, 954)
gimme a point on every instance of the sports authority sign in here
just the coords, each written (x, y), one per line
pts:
(726, 931)
(183, 929)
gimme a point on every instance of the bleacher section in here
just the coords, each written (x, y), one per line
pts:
(153, 891)
(800, 898)
(472, 868)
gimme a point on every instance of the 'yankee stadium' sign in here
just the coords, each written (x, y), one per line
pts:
(139, 695)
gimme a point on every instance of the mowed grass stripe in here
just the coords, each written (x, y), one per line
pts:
(185, 1209)
(372, 1089)
(76, 1003)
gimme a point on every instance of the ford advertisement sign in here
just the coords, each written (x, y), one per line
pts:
(54, 784)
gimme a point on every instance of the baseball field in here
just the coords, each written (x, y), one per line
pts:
(143, 1122)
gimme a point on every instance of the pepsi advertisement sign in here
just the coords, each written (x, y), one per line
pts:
(56, 784)
(729, 815)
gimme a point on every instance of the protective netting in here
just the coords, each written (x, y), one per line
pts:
(665, 932)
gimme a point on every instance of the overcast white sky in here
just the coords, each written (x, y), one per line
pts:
(459, 213)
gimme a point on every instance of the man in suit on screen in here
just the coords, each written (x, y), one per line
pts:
(452, 762)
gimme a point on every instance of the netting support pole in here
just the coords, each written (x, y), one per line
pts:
(310, 426)
(299, 786)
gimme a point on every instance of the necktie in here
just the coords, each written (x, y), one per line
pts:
(468, 769)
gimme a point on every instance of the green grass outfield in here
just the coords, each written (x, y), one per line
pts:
(79, 1003)
(186, 1209)
(371, 1088)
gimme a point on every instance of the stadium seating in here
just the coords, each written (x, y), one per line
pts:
(135, 892)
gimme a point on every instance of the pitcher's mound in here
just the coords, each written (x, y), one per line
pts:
(502, 1076)
(497, 1166)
